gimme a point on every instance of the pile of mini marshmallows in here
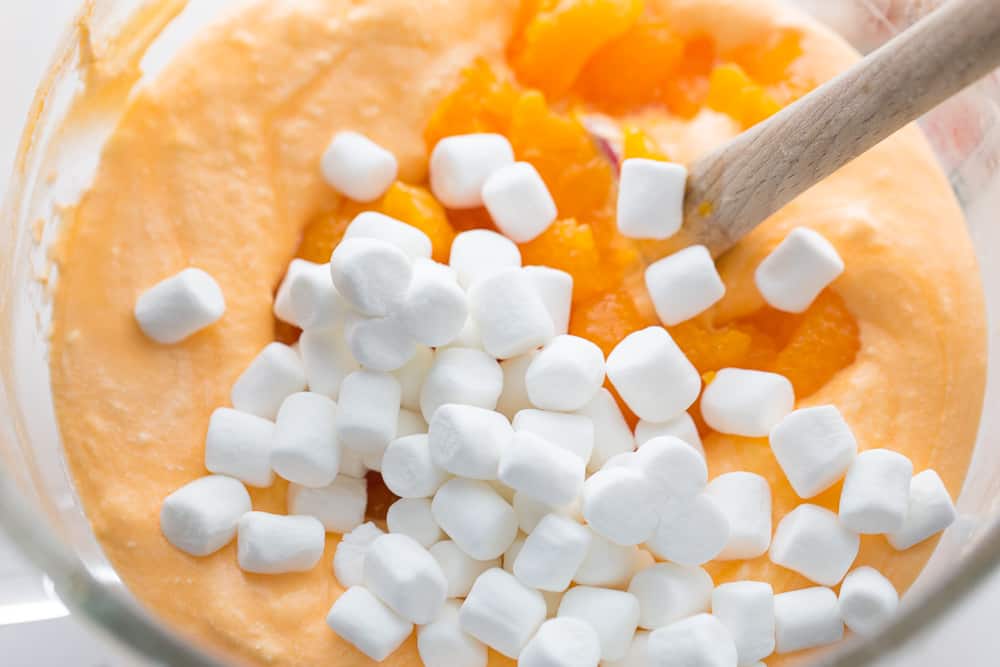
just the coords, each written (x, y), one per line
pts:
(530, 519)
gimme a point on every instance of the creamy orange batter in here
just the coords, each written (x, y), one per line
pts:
(215, 165)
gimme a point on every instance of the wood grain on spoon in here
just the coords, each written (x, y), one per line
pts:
(733, 189)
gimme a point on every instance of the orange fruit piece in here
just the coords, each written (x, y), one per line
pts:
(607, 318)
(638, 144)
(570, 246)
(322, 235)
(767, 62)
(732, 92)
(481, 102)
(416, 206)
(684, 93)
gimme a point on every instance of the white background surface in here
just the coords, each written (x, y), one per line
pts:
(968, 638)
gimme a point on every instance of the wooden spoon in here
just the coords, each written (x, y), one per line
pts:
(733, 189)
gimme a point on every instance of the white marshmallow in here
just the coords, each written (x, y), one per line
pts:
(369, 411)
(408, 423)
(691, 531)
(541, 470)
(272, 376)
(469, 441)
(357, 167)
(409, 471)
(668, 592)
(201, 517)
(366, 623)
(307, 297)
(745, 499)
(876, 492)
(379, 343)
(510, 556)
(929, 511)
(305, 449)
(238, 444)
(796, 271)
(514, 396)
(555, 287)
(401, 573)
(327, 360)
(652, 375)
(572, 432)
(682, 426)
(614, 615)
(413, 517)
(459, 568)
(562, 642)
(810, 540)
(684, 284)
(340, 507)
(552, 553)
(746, 608)
(461, 165)
(650, 198)
(349, 558)
(371, 274)
(675, 468)
(469, 336)
(512, 318)
(606, 564)
(620, 504)
(502, 612)
(566, 374)
(867, 601)
(276, 544)
(519, 201)
(434, 308)
(612, 435)
(480, 253)
(700, 640)
(372, 225)
(638, 653)
(475, 517)
(463, 376)
(814, 447)
(352, 464)
(806, 618)
(179, 306)
(530, 511)
(442, 643)
(412, 376)
(747, 403)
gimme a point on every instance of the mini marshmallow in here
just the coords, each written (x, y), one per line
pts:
(746, 608)
(481, 253)
(179, 306)
(434, 308)
(469, 336)
(502, 612)
(239, 445)
(668, 592)
(747, 403)
(541, 470)
(272, 376)
(201, 517)
(562, 642)
(555, 287)
(867, 601)
(412, 376)
(369, 410)
(349, 558)
(511, 316)
(650, 198)
(806, 618)
(684, 284)
(510, 556)
(307, 297)
(796, 271)
(681, 426)
(459, 569)
(371, 274)
(620, 504)
(363, 621)
(372, 225)
(566, 374)
(552, 553)
(675, 468)
(357, 167)
(572, 432)
(700, 640)
(929, 511)
(691, 531)
(327, 360)
(745, 499)
(811, 540)
(401, 573)
(408, 470)
(408, 423)
(379, 343)
(305, 449)
(814, 447)
(442, 643)
(614, 615)
(514, 397)
(876, 492)
(461, 165)
(612, 435)
(340, 507)
(352, 464)
(638, 653)
(475, 517)
(652, 375)
(462, 376)
(530, 511)
(413, 517)
(469, 441)
(606, 564)
(276, 544)
(519, 201)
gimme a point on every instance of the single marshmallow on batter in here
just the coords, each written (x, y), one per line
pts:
(555, 287)
(469, 441)
(442, 643)
(806, 618)
(367, 623)
(651, 198)
(371, 274)
(814, 447)
(502, 612)
(614, 615)
(745, 499)
(652, 375)
(511, 316)
(276, 544)
(460, 569)
(401, 573)
(201, 517)
(461, 165)
(356, 166)
(541, 470)
(340, 506)
(684, 284)
(179, 306)
(552, 553)
(745, 402)
(811, 540)
(876, 492)
(796, 271)
(462, 376)
(271, 377)
(700, 640)
(475, 517)
(668, 592)
(746, 608)
(373, 225)
(238, 444)
(479, 253)
(434, 308)
(369, 411)
(305, 449)
(408, 469)
(519, 201)
(929, 511)
(565, 375)
(867, 601)
(562, 642)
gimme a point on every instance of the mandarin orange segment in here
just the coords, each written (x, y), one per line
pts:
(570, 246)
(416, 206)
(322, 234)
(732, 92)
(685, 92)
(482, 102)
(710, 349)
(607, 318)
(462, 220)
(638, 144)
(767, 62)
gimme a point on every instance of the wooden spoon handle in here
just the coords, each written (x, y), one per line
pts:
(733, 189)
